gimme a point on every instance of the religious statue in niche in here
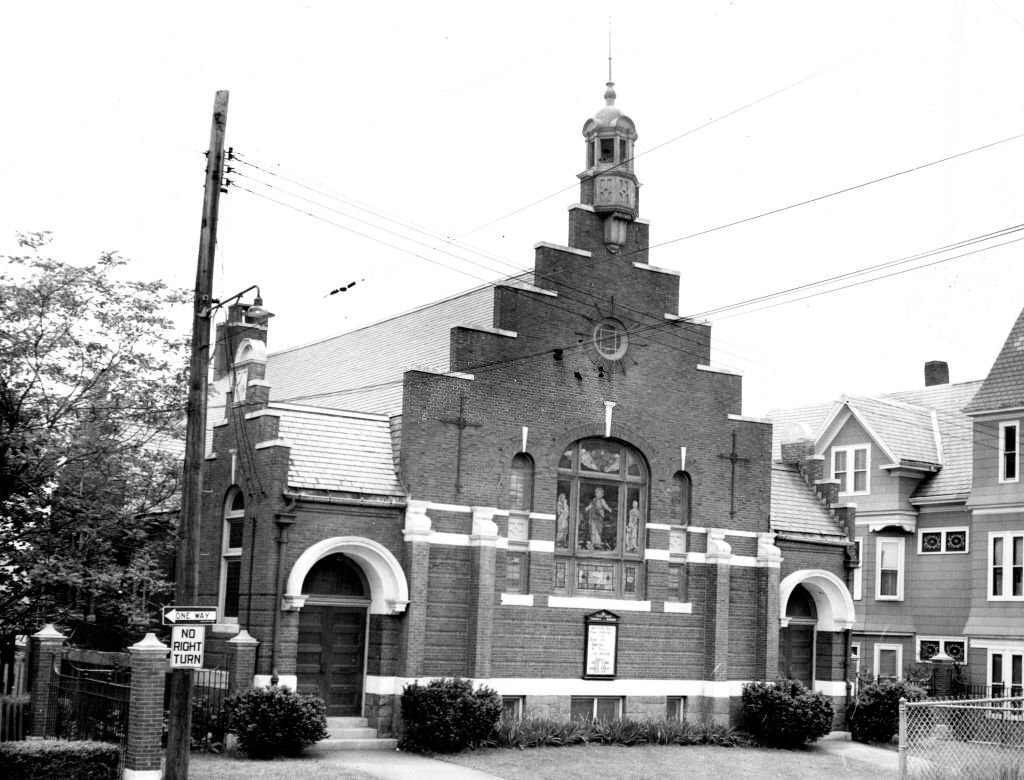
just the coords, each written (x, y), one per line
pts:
(598, 529)
(633, 524)
(562, 520)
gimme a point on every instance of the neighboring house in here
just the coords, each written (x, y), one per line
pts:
(929, 481)
(541, 485)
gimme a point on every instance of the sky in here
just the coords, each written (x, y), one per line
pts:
(457, 128)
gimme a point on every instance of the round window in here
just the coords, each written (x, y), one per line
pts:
(610, 339)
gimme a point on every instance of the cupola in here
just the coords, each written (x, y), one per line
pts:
(608, 184)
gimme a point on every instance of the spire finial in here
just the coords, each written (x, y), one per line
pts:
(609, 93)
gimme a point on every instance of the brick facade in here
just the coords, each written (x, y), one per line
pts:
(437, 554)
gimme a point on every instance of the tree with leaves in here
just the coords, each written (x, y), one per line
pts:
(92, 384)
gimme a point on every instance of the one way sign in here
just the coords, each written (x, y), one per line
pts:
(176, 616)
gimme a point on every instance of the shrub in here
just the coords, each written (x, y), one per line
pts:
(446, 716)
(874, 715)
(68, 760)
(537, 732)
(275, 721)
(785, 714)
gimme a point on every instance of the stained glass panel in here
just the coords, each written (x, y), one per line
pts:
(598, 516)
(605, 458)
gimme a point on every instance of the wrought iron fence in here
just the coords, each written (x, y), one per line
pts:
(87, 702)
(209, 692)
(14, 698)
(968, 738)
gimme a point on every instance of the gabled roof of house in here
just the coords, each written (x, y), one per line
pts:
(795, 509)
(1003, 388)
(907, 433)
(337, 451)
(363, 369)
(906, 423)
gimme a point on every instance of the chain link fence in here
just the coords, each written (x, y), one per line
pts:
(971, 739)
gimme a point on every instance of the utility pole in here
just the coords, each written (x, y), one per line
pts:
(186, 568)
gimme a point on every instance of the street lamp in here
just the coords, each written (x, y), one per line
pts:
(255, 310)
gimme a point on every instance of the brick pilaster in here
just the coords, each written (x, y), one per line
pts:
(542, 555)
(769, 558)
(417, 569)
(656, 554)
(716, 623)
(240, 653)
(143, 751)
(44, 649)
(481, 597)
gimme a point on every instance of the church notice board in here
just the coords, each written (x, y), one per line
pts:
(600, 645)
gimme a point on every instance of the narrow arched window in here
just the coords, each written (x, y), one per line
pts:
(520, 489)
(231, 555)
(682, 497)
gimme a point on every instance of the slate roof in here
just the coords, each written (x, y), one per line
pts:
(1003, 388)
(362, 369)
(338, 451)
(795, 508)
(906, 422)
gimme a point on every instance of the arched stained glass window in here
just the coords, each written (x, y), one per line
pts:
(520, 490)
(682, 497)
(600, 519)
(231, 554)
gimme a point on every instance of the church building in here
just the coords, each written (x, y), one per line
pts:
(540, 484)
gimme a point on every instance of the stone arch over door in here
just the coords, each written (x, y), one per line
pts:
(832, 600)
(816, 609)
(389, 589)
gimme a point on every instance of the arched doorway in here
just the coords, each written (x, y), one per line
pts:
(331, 652)
(796, 639)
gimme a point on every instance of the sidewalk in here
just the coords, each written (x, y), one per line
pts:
(396, 765)
(838, 743)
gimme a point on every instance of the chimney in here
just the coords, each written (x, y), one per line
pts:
(936, 372)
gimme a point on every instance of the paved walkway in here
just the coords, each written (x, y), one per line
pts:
(838, 743)
(396, 765)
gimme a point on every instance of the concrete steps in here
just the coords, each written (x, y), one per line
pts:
(352, 734)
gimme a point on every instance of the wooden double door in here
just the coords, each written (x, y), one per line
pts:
(330, 658)
(796, 653)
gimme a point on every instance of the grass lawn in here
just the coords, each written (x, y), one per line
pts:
(653, 762)
(206, 766)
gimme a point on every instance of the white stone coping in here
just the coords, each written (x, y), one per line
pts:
(517, 599)
(595, 602)
(560, 248)
(719, 370)
(494, 331)
(657, 269)
(575, 686)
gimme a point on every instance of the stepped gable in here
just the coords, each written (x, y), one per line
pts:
(1003, 388)
(362, 369)
(796, 509)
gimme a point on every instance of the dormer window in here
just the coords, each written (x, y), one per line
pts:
(850, 465)
(1009, 451)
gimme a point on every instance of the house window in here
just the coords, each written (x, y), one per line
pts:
(1006, 672)
(682, 497)
(675, 708)
(1009, 457)
(942, 540)
(512, 707)
(1006, 566)
(850, 466)
(520, 486)
(855, 659)
(600, 520)
(888, 661)
(231, 555)
(858, 571)
(930, 646)
(597, 708)
(889, 569)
